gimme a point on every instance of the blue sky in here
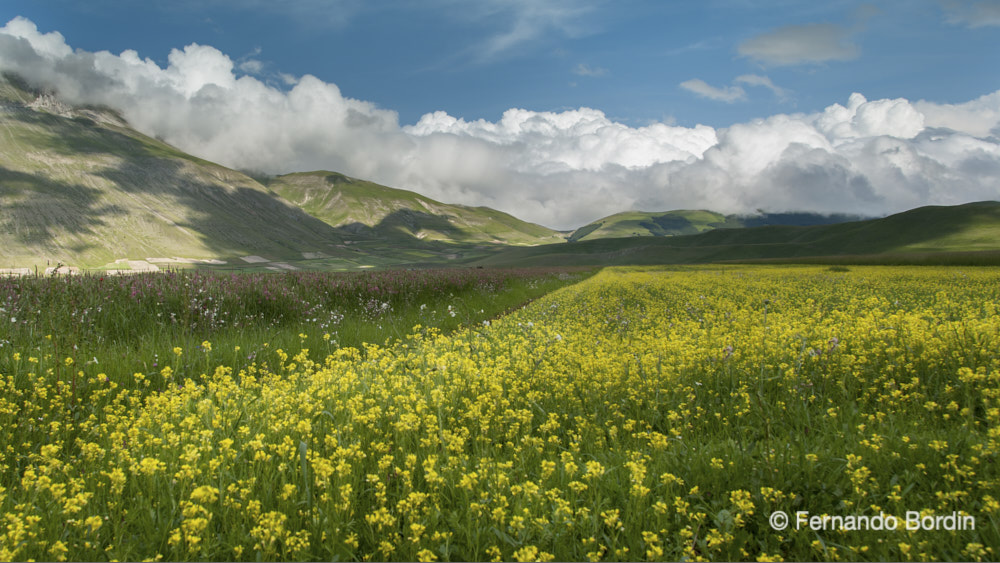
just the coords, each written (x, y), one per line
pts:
(627, 58)
(559, 111)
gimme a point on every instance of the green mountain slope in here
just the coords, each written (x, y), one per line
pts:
(365, 210)
(969, 228)
(690, 222)
(80, 187)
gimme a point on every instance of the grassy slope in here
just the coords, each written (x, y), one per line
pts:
(642, 223)
(690, 222)
(973, 227)
(81, 187)
(368, 210)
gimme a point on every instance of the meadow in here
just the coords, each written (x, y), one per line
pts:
(661, 413)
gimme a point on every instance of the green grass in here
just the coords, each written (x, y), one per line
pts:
(132, 323)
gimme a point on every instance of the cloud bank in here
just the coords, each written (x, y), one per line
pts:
(560, 169)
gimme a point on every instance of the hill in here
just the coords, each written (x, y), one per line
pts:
(79, 186)
(934, 230)
(690, 222)
(365, 210)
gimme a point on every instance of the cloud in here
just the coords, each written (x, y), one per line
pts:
(801, 44)
(586, 70)
(728, 94)
(251, 66)
(979, 117)
(981, 13)
(734, 93)
(522, 22)
(560, 169)
(757, 80)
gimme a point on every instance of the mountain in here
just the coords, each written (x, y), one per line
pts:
(967, 233)
(79, 186)
(690, 222)
(364, 210)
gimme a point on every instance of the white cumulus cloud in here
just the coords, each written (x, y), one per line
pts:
(560, 169)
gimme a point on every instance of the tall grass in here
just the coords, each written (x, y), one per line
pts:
(133, 323)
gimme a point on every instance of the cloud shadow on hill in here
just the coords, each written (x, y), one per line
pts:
(402, 224)
(36, 207)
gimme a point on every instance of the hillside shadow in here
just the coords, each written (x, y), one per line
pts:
(889, 234)
(37, 207)
(797, 219)
(400, 225)
(229, 217)
(79, 135)
(669, 225)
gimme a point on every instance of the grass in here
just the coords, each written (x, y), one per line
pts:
(132, 323)
(973, 258)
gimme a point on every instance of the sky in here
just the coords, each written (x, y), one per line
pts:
(557, 111)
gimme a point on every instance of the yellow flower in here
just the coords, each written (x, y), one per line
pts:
(93, 523)
(426, 555)
(205, 494)
(58, 551)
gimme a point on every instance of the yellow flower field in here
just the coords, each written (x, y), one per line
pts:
(640, 414)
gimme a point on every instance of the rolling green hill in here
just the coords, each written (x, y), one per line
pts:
(690, 222)
(969, 232)
(364, 210)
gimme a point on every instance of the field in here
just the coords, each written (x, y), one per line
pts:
(660, 413)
